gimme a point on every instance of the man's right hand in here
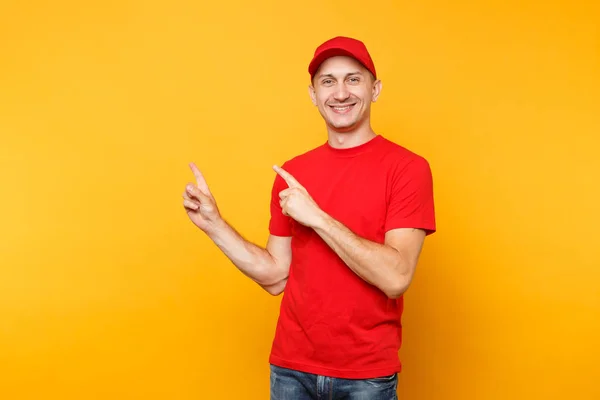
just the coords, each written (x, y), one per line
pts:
(200, 204)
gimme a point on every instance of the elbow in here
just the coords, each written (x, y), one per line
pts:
(273, 292)
(267, 275)
(394, 294)
(397, 288)
(400, 280)
(275, 289)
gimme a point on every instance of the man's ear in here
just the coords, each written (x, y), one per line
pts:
(312, 94)
(376, 91)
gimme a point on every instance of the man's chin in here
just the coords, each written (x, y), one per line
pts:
(342, 122)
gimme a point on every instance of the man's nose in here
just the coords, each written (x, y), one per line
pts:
(341, 92)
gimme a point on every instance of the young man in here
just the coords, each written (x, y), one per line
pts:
(348, 221)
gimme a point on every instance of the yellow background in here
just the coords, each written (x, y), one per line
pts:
(107, 291)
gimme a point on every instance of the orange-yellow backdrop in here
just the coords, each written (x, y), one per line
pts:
(108, 292)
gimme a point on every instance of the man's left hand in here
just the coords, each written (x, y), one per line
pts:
(297, 203)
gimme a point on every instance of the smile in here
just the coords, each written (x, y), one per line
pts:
(342, 109)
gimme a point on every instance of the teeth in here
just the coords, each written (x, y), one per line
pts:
(342, 108)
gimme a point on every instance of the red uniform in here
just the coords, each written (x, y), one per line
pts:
(331, 321)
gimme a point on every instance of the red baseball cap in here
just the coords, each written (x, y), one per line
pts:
(341, 46)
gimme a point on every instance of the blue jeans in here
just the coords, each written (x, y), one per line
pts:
(287, 384)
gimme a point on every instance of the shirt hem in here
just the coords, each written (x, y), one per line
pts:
(336, 373)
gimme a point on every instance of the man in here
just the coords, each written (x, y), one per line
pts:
(348, 221)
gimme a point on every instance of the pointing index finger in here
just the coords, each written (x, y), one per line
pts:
(202, 185)
(287, 177)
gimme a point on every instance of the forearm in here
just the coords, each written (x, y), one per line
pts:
(378, 264)
(252, 260)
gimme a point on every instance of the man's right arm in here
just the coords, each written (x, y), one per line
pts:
(269, 267)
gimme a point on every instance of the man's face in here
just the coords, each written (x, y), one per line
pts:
(343, 89)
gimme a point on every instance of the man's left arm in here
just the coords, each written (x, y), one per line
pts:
(389, 266)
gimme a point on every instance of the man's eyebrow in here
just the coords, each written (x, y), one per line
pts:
(348, 74)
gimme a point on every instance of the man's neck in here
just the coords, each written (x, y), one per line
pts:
(345, 140)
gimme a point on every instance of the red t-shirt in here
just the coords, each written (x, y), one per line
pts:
(331, 321)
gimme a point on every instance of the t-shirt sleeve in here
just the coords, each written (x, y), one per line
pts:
(410, 203)
(279, 224)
